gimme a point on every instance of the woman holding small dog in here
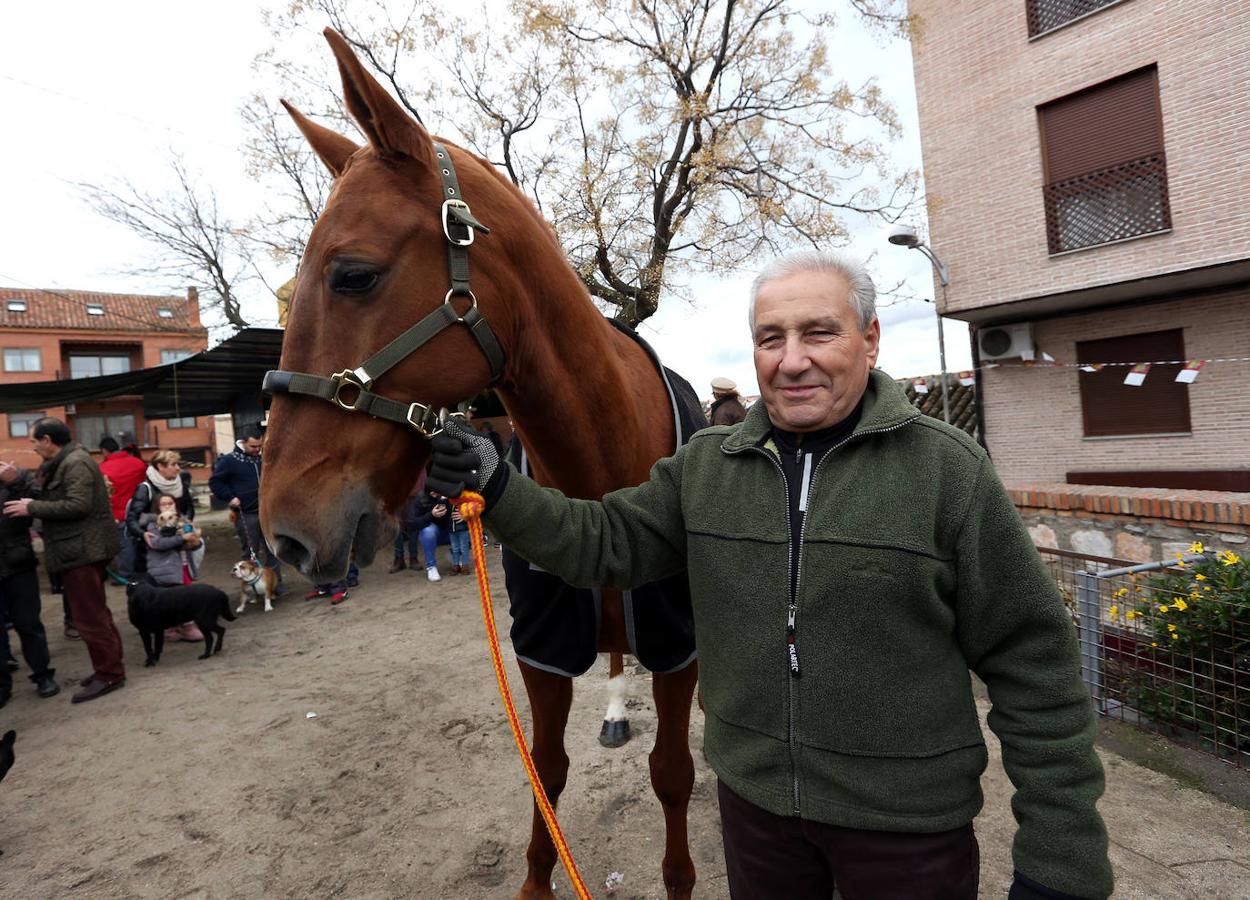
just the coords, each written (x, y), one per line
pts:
(164, 478)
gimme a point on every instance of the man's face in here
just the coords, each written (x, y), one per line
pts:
(811, 359)
(251, 446)
(44, 447)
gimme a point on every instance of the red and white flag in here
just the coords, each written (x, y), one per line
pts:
(967, 378)
(921, 385)
(1092, 367)
(1189, 374)
(1137, 375)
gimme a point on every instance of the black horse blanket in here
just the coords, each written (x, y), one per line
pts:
(555, 627)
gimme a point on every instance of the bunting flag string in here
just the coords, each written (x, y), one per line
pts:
(1135, 377)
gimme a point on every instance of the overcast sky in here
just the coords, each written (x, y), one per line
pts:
(97, 92)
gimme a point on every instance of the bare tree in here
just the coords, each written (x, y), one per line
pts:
(658, 136)
(193, 242)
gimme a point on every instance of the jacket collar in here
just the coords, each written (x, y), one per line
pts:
(51, 465)
(885, 407)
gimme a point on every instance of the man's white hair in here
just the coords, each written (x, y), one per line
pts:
(863, 293)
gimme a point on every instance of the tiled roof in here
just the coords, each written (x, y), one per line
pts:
(962, 400)
(122, 312)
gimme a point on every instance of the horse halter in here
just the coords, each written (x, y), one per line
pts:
(350, 389)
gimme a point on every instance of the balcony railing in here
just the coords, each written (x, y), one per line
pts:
(1112, 204)
(1047, 15)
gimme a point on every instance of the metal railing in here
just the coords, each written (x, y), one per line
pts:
(1165, 646)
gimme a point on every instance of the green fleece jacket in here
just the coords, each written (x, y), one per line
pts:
(914, 568)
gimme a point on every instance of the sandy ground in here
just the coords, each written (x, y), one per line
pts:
(208, 779)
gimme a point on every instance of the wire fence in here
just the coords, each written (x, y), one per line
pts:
(1165, 646)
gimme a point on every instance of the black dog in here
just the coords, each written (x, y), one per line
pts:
(6, 753)
(154, 608)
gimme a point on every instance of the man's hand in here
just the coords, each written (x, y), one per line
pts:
(464, 459)
(17, 509)
(234, 502)
(8, 472)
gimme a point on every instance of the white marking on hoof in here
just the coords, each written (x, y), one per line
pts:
(616, 699)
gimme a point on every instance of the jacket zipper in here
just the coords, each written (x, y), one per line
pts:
(792, 649)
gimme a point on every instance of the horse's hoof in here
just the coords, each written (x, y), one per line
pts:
(614, 733)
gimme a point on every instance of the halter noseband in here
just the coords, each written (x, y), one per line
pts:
(350, 389)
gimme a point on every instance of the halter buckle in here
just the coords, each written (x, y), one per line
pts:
(458, 205)
(425, 421)
(347, 379)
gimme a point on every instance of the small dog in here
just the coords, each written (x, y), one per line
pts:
(258, 581)
(154, 608)
(170, 523)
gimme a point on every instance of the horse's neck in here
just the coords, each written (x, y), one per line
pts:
(588, 404)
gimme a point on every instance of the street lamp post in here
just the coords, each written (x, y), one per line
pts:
(905, 236)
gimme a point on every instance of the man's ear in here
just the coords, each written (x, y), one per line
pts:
(872, 337)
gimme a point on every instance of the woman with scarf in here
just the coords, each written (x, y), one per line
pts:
(165, 478)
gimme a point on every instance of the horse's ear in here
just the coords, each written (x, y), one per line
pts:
(385, 123)
(331, 147)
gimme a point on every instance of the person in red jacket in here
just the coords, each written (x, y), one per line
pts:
(125, 472)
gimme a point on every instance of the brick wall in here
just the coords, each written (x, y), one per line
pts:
(1033, 423)
(979, 80)
(1138, 524)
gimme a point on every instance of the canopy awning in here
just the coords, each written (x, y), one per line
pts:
(201, 385)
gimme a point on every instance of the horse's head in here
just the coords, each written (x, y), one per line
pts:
(339, 455)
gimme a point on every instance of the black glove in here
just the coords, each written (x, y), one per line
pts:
(1023, 888)
(464, 459)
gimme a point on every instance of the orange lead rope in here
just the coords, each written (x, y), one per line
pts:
(471, 506)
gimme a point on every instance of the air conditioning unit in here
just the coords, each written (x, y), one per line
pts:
(1006, 341)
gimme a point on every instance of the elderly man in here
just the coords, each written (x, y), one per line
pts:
(726, 408)
(867, 559)
(80, 537)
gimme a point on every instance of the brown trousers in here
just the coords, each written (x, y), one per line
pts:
(769, 856)
(84, 590)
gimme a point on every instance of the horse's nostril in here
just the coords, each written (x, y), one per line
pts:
(289, 550)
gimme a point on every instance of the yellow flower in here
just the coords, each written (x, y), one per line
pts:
(1180, 563)
(1207, 587)
(1171, 628)
(1121, 592)
(1229, 558)
(1131, 614)
(1200, 577)
(1163, 607)
(1154, 643)
(1195, 547)
(1175, 636)
(1113, 611)
(1180, 606)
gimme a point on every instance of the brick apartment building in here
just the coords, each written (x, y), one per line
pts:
(48, 335)
(1088, 164)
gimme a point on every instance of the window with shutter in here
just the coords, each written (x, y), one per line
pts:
(1106, 175)
(1047, 15)
(1111, 407)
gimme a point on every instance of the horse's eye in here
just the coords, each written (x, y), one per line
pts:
(354, 280)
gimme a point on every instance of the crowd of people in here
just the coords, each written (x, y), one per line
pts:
(126, 519)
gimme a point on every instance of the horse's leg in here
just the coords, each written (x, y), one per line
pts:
(551, 697)
(672, 774)
(615, 730)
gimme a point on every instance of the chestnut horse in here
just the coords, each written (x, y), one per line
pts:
(586, 401)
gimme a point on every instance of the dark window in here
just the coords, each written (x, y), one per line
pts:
(89, 429)
(1047, 15)
(1106, 176)
(81, 366)
(1111, 407)
(184, 422)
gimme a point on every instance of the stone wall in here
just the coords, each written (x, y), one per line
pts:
(1137, 524)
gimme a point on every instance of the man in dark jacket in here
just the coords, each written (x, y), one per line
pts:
(236, 481)
(727, 408)
(866, 559)
(80, 537)
(19, 588)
